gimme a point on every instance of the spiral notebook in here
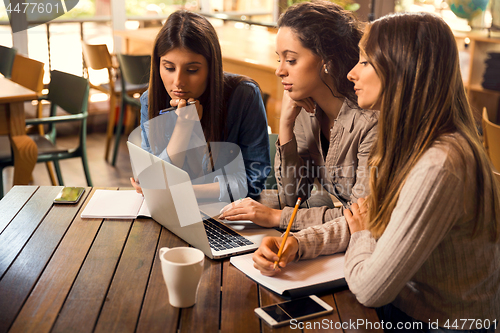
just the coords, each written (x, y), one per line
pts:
(302, 278)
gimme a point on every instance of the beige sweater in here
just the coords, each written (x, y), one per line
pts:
(425, 263)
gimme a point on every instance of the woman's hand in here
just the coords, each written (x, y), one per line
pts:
(290, 109)
(136, 185)
(267, 254)
(357, 220)
(181, 103)
(249, 209)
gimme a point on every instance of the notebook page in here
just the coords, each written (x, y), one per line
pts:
(144, 211)
(296, 274)
(113, 204)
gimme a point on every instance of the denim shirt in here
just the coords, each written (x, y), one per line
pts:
(246, 126)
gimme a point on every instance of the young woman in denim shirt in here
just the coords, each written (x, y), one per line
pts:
(187, 68)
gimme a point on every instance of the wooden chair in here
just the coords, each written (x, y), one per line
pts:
(7, 55)
(29, 73)
(491, 135)
(98, 57)
(70, 93)
(134, 70)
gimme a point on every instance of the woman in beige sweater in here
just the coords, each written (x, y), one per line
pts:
(324, 137)
(425, 245)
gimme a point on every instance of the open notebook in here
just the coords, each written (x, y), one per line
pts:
(114, 204)
(305, 277)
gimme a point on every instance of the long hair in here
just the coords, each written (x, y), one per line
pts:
(330, 32)
(422, 99)
(185, 29)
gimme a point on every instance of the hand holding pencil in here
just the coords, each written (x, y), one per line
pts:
(275, 252)
(287, 232)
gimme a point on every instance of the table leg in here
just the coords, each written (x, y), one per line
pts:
(25, 155)
(25, 151)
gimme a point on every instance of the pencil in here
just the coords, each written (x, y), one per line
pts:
(280, 252)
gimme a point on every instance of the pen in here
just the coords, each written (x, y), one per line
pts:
(175, 107)
(280, 252)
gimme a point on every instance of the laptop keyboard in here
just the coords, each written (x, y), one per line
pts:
(221, 237)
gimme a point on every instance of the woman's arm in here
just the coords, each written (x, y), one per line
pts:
(429, 205)
(247, 127)
(293, 164)
(359, 140)
(145, 122)
(187, 119)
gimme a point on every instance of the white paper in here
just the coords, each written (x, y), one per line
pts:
(296, 274)
(114, 204)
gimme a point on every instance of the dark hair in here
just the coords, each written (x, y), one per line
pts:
(185, 29)
(422, 99)
(330, 32)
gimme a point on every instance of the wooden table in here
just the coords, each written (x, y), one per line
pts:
(245, 51)
(61, 273)
(12, 123)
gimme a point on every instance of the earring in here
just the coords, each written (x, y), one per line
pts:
(326, 69)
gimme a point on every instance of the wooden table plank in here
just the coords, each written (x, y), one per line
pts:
(12, 202)
(19, 280)
(203, 316)
(20, 229)
(239, 299)
(82, 275)
(83, 304)
(157, 315)
(40, 310)
(124, 299)
(14, 92)
(350, 310)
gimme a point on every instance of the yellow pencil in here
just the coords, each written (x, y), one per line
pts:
(280, 252)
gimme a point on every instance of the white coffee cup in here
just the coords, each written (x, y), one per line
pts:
(182, 268)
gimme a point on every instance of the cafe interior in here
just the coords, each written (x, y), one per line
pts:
(88, 47)
(68, 102)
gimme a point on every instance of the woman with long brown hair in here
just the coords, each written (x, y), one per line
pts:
(186, 67)
(425, 245)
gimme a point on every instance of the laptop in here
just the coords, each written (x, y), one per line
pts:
(169, 195)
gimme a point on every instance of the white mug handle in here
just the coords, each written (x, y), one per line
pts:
(163, 250)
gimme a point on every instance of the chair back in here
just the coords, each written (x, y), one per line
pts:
(271, 179)
(28, 73)
(7, 55)
(491, 134)
(96, 56)
(134, 69)
(68, 91)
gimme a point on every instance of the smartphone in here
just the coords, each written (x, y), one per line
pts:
(299, 309)
(69, 195)
(175, 107)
